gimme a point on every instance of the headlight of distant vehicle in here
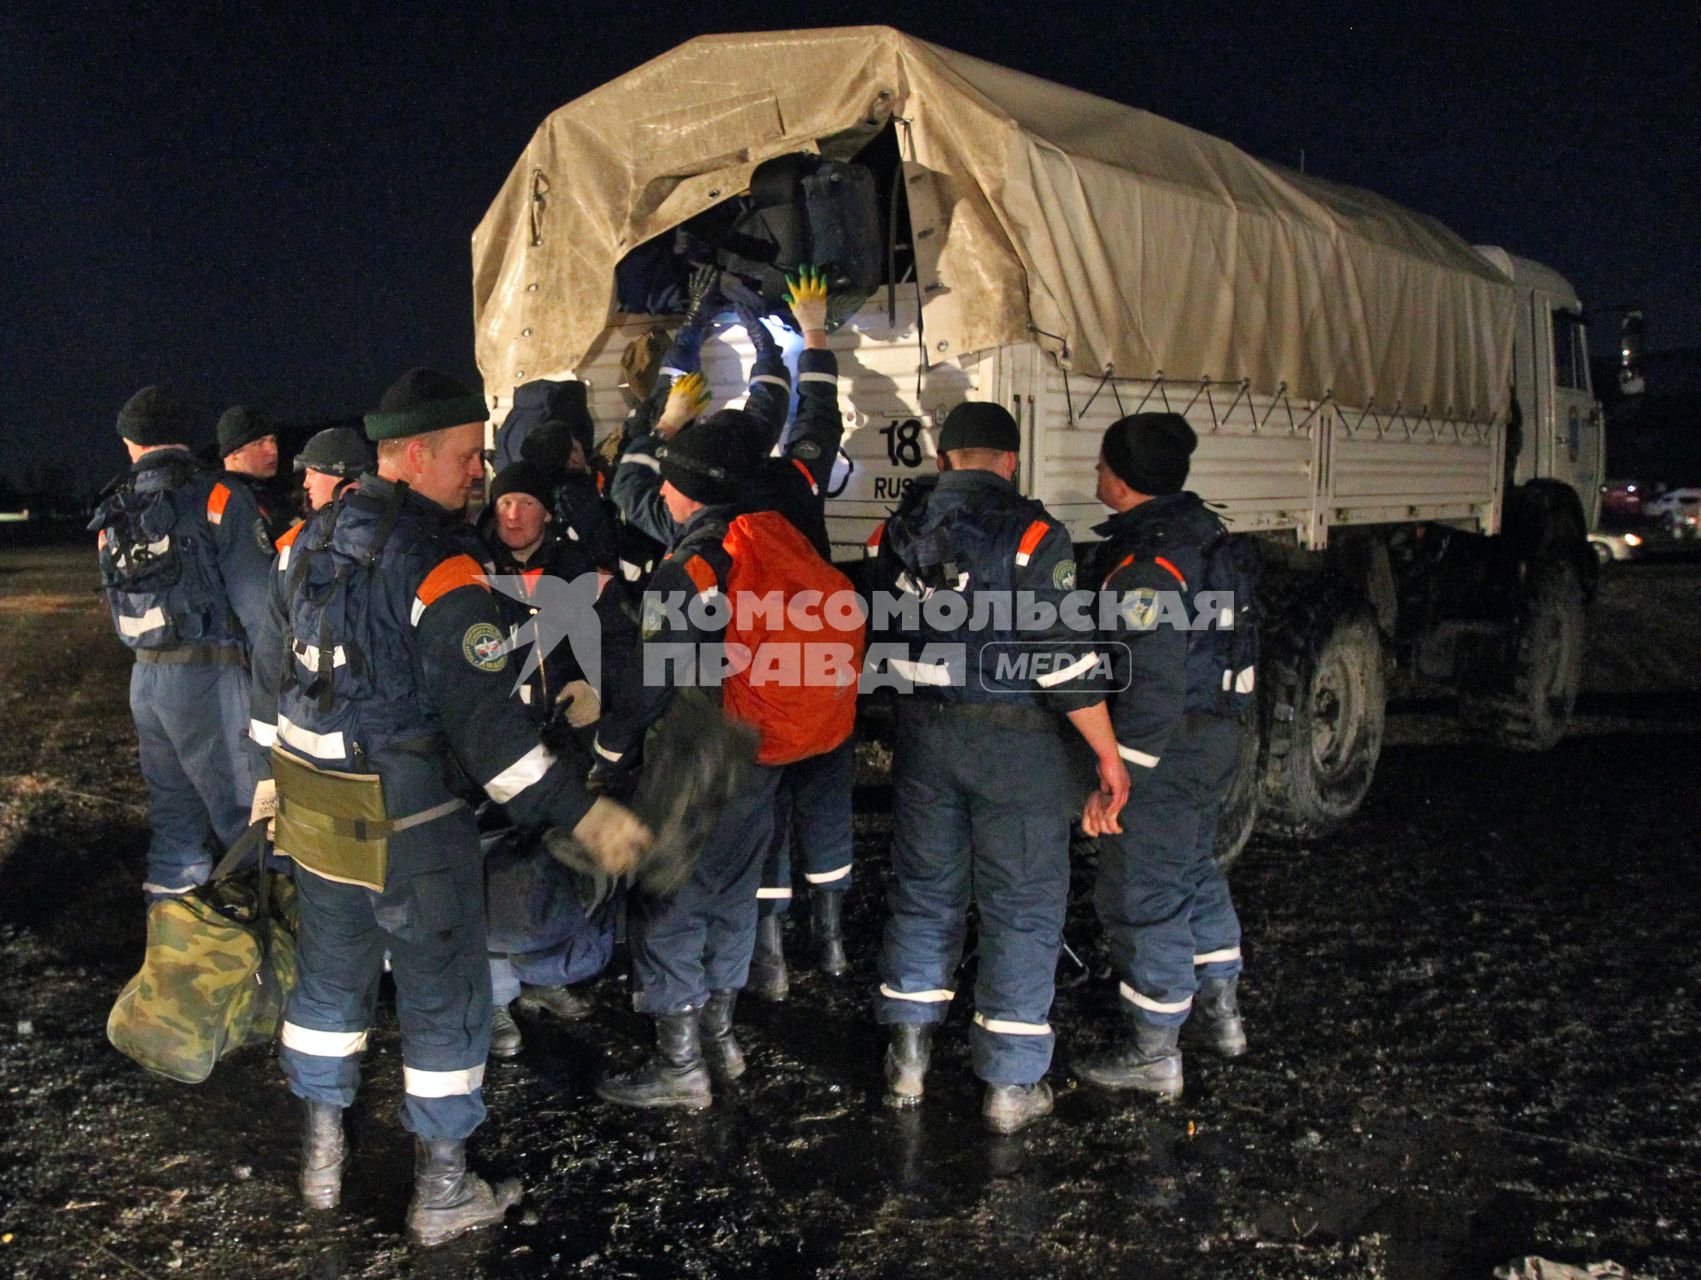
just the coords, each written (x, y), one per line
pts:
(1632, 539)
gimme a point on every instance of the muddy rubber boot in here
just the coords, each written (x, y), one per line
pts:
(673, 1076)
(1216, 1017)
(828, 931)
(907, 1057)
(505, 1038)
(1148, 1061)
(448, 1201)
(1010, 1107)
(559, 1002)
(720, 1048)
(768, 980)
(323, 1150)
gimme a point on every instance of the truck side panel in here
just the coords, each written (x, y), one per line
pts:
(1272, 464)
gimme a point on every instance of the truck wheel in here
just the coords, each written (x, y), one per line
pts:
(1547, 664)
(1240, 806)
(1327, 710)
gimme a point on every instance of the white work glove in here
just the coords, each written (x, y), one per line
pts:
(609, 839)
(806, 295)
(265, 805)
(584, 708)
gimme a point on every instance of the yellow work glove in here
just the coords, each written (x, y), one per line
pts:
(688, 397)
(807, 298)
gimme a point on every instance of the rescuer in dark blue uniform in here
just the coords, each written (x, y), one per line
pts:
(381, 673)
(1174, 936)
(982, 795)
(330, 462)
(545, 582)
(813, 819)
(813, 813)
(691, 950)
(185, 562)
(248, 443)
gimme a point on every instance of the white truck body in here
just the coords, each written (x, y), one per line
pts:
(1272, 464)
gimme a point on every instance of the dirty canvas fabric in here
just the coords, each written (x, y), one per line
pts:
(1113, 237)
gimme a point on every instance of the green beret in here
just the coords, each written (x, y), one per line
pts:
(423, 400)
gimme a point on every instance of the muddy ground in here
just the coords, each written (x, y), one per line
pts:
(1473, 1019)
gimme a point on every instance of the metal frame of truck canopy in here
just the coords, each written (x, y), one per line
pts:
(1110, 239)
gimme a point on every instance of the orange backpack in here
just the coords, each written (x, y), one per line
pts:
(799, 688)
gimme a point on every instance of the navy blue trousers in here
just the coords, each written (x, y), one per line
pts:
(1161, 897)
(978, 813)
(813, 821)
(701, 939)
(200, 767)
(432, 925)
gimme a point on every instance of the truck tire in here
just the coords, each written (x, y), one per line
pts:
(1327, 706)
(1546, 665)
(1240, 806)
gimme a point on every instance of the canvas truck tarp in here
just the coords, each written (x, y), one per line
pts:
(1111, 236)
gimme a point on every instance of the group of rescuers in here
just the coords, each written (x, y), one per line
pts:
(361, 657)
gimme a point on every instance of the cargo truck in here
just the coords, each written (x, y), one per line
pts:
(1403, 421)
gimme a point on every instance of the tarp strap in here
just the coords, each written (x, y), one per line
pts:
(1108, 371)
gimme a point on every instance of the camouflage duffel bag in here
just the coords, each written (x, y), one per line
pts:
(219, 966)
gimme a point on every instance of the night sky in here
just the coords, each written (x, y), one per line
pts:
(273, 204)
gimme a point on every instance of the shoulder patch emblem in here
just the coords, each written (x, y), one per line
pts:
(484, 647)
(1063, 576)
(1139, 608)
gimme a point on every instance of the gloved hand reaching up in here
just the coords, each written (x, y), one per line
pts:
(703, 292)
(688, 397)
(807, 298)
(760, 337)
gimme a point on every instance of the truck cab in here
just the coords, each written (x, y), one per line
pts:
(1561, 423)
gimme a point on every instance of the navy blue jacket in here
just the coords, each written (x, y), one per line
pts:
(1153, 561)
(384, 650)
(198, 568)
(973, 534)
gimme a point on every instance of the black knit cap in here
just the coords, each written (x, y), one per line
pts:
(423, 400)
(709, 460)
(336, 451)
(524, 477)
(1150, 452)
(550, 446)
(240, 425)
(153, 416)
(978, 424)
